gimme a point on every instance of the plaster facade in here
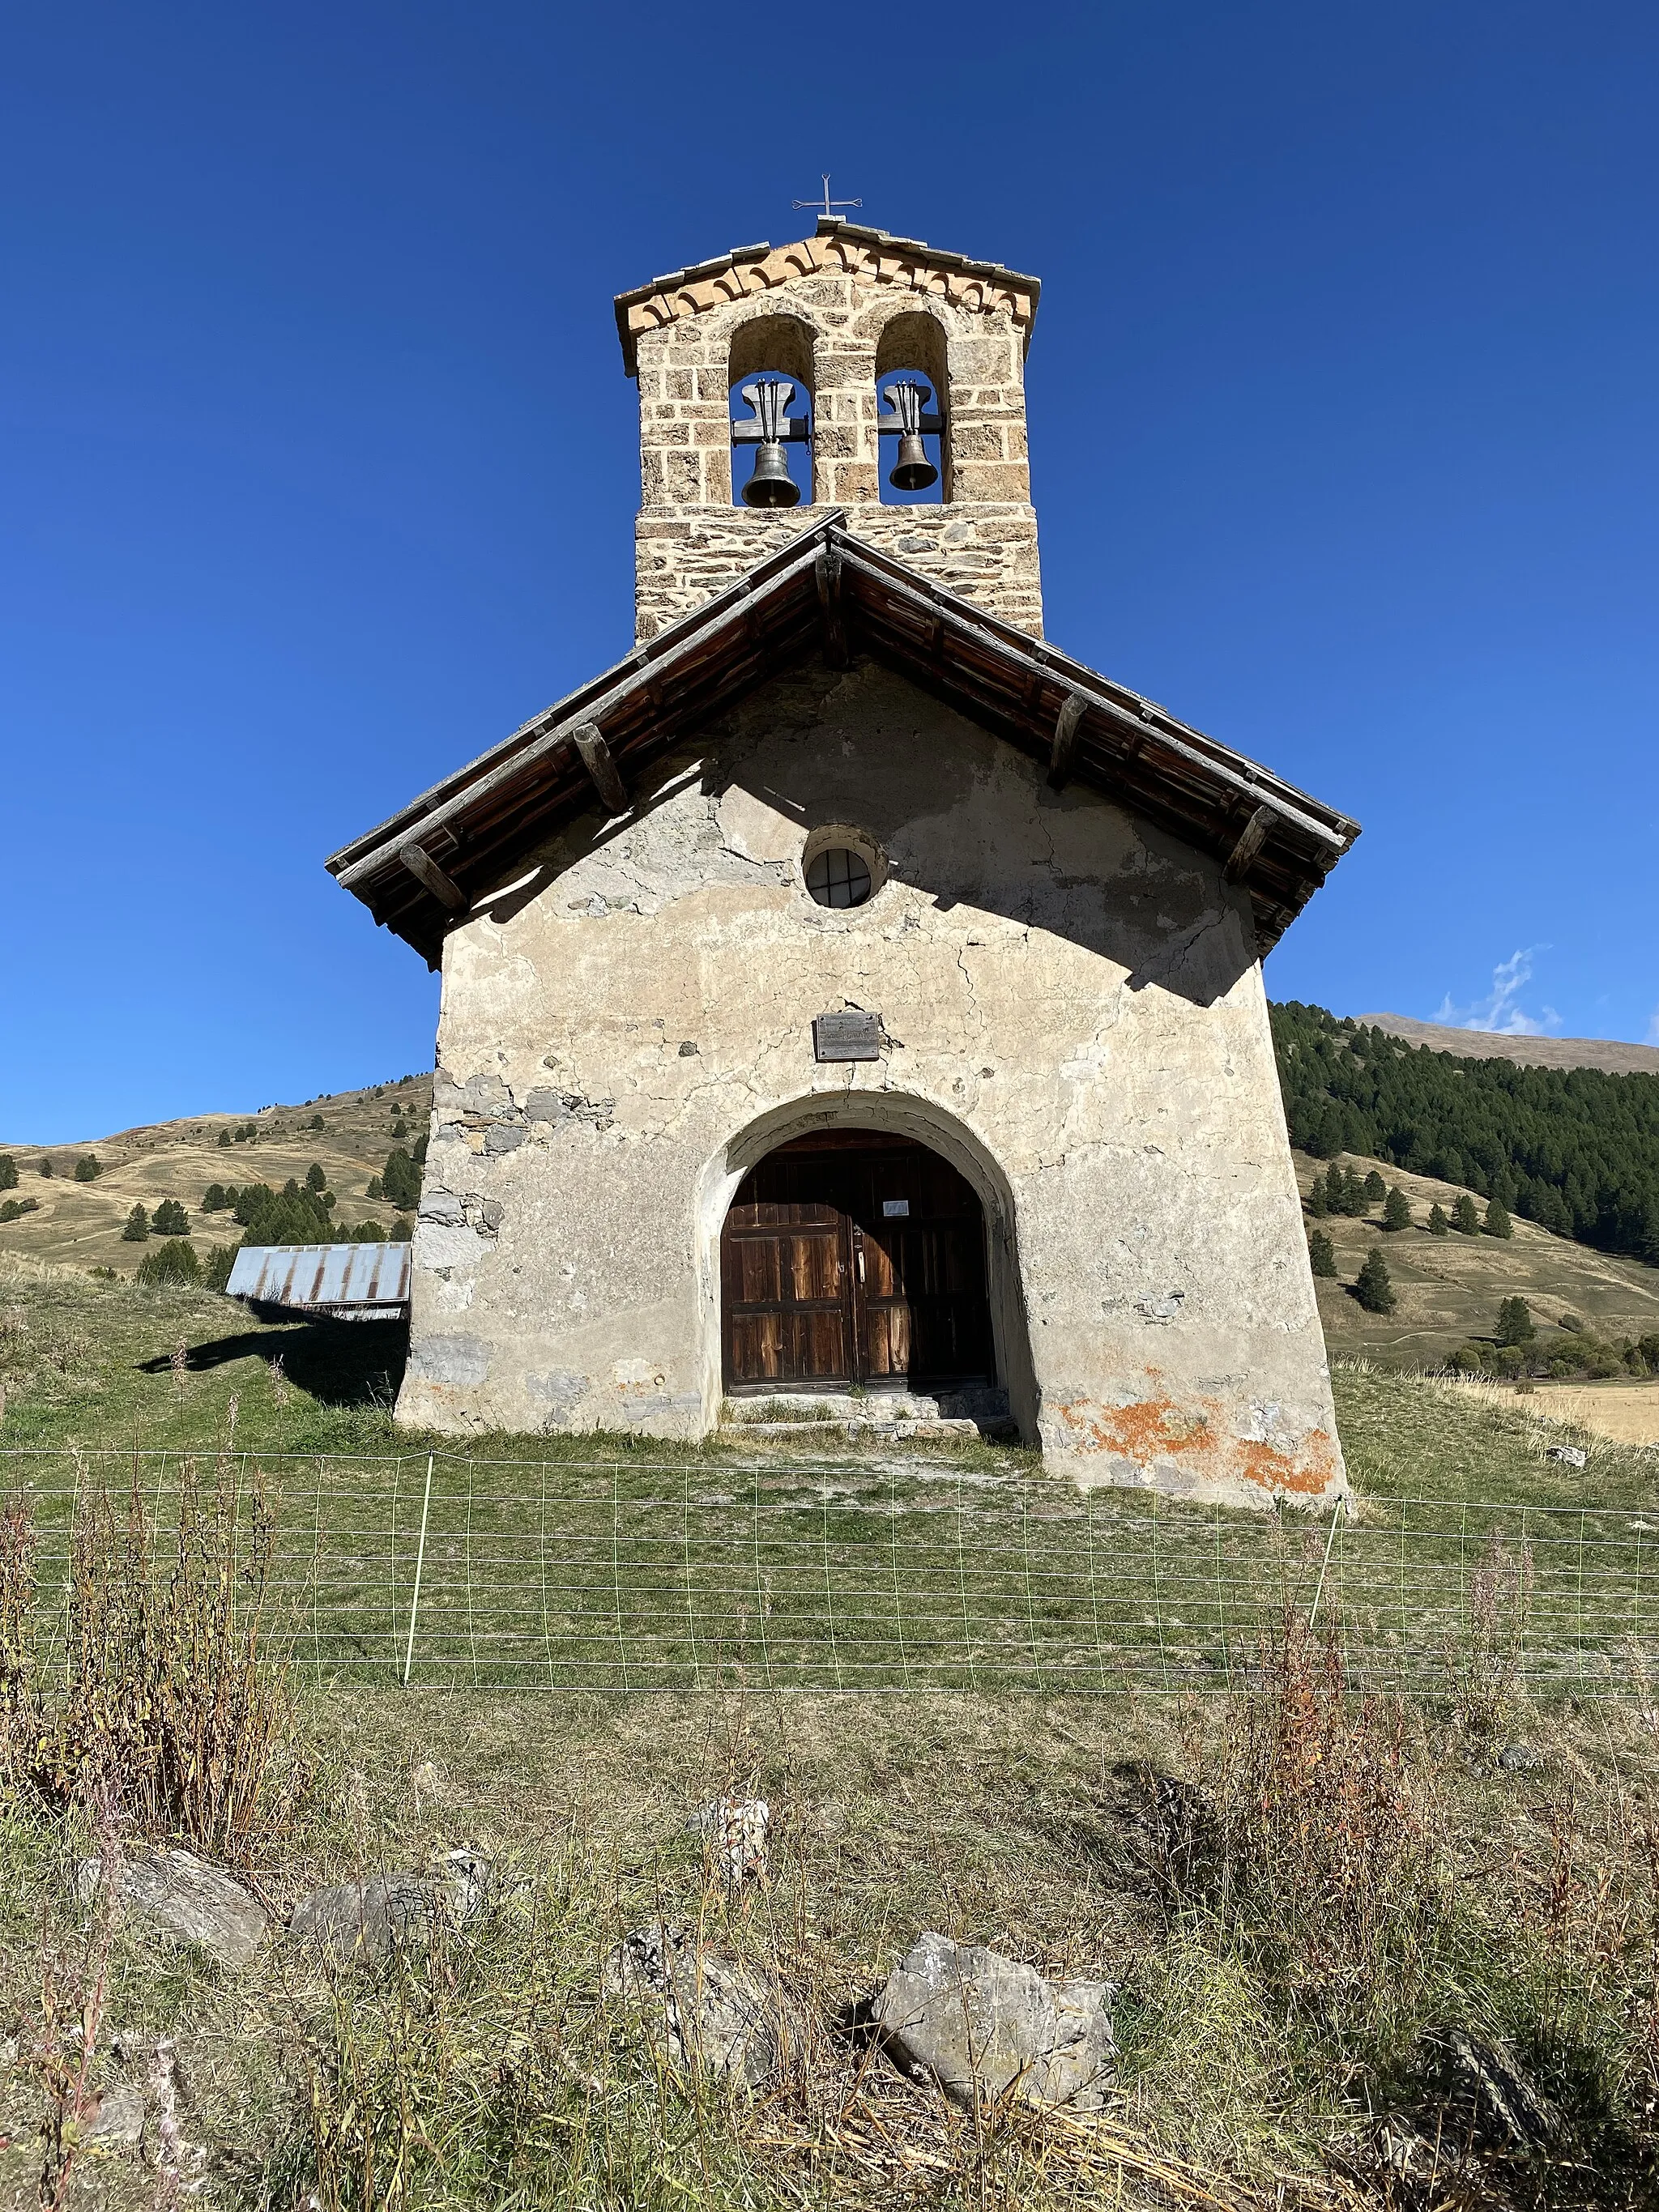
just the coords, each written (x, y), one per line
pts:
(834, 313)
(1074, 1014)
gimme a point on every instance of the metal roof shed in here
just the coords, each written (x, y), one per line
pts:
(352, 1282)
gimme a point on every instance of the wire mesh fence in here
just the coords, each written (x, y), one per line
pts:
(626, 1576)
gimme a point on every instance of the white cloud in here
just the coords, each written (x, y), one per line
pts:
(1500, 1013)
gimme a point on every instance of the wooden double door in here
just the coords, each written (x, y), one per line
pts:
(855, 1257)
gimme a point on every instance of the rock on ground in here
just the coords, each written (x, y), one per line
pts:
(118, 2122)
(983, 2025)
(366, 1920)
(735, 1831)
(712, 2012)
(188, 1898)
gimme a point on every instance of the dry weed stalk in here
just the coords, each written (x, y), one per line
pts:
(1327, 1838)
(173, 1688)
(66, 2047)
(1488, 1660)
(179, 1363)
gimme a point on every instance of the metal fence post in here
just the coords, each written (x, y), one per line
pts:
(1337, 1511)
(420, 1562)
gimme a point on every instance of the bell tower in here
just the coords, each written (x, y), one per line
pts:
(851, 370)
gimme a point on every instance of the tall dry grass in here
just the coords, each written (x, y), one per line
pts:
(170, 1696)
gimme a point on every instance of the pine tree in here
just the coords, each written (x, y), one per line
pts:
(1464, 1219)
(1317, 1204)
(1333, 1200)
(1321, 1255)
(1514, 1323)
(89, 1168)
(1498, 1222)
(8, 1172)
(215, 1268)
(1354, 1200)
(316, 1123)
(400, 1180)
(170, 1219)
(1396, 1209)
(1438, 1224)
(215, 1198)
(172, 1262)
(1374, 1187)
(137, 1229)
(45, 1167)
(224, 1138)
(315, 1179)
(401, 1231)
(375, 1189)
(1373, 1286)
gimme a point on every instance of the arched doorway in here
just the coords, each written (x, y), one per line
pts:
(854, 1256)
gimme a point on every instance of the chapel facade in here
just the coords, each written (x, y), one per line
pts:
(849, 993)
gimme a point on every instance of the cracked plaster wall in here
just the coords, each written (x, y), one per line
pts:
(1074, 1013)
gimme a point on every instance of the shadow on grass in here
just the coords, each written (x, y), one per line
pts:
(338, 1363)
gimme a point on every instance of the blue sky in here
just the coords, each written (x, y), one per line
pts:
(319, 463)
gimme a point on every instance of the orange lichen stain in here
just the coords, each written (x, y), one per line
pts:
(1149, 1429)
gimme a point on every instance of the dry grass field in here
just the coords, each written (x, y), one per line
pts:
(79, 1224)
(1449, 1289)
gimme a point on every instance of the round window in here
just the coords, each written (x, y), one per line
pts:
(838, 877)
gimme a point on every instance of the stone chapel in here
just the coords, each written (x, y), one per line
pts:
(850, 994)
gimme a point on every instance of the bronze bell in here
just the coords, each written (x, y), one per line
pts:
(913, 471)
(771, 484)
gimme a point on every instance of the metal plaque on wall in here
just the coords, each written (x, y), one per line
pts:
(846, 1036)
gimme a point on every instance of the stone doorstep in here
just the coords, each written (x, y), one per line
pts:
(900, 1413)
(901, 1431)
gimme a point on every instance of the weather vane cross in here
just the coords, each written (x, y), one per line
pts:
(828, 206)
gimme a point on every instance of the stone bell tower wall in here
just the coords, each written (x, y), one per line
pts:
(833, 313)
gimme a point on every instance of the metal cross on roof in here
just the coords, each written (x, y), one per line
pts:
(828, 206)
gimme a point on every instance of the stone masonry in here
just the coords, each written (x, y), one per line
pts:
(835, 312)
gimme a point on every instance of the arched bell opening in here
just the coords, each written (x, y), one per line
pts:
(912, 408)
(770, 380)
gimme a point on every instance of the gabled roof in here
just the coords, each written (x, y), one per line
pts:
(828, 591)
(872, 257)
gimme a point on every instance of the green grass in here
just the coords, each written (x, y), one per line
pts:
(618, 1564)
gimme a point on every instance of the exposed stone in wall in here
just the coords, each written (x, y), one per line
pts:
(827, 327)
(1072, 1015)
(686, 556)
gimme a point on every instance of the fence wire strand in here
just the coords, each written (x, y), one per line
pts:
(614, 1576)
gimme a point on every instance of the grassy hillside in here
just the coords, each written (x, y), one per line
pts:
(80, 1223)
(1574, 1150)
(1449, 1289)
(1610, 1055)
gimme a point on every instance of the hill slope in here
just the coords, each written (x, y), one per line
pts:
(80, 1223)
(1611, 1056)
(1574, 1149)
(1449, 1289)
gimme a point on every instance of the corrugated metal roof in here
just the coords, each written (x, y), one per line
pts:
(322, 1276)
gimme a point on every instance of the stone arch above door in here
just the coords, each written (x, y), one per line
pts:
(920, 1121)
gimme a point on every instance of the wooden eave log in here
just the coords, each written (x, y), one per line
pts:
(545, 737)
(522, 806)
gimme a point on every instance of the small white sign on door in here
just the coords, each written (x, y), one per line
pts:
(892, 1207)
